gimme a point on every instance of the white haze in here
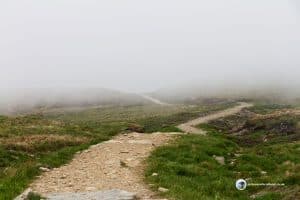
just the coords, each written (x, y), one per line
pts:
(143, 46)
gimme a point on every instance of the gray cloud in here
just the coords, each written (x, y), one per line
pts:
(142, 46)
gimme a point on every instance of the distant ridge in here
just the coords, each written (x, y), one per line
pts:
(25, 100)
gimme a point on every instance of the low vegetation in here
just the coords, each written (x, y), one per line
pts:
(260, 151)
(49, 140)
(264, 107)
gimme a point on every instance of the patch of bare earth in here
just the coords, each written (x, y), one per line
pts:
(115, 164)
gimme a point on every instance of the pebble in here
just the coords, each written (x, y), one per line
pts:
(90, 189)
(155, 174)
(263, 172)
(44, 169)
(63, 176)
(164, 190)
(220, 159)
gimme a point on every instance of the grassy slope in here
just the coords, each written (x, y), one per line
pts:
(20, 163)
(265, 108)
(188, 169)
(28, 142)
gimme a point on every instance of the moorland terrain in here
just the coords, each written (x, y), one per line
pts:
(260, 144)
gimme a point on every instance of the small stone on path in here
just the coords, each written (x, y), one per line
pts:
(44, 169)
(164, 190)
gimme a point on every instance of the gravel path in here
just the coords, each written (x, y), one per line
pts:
(189, 127)
(113, 169)
(155, 101)
(103, 195)
(115, 164)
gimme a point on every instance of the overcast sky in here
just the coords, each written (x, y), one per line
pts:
(139, 45)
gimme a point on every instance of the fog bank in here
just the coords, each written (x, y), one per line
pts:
(21, 101)
(143, 46)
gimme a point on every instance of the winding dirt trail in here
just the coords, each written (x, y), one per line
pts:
(155, 101)
(189, 127)
(115, 164)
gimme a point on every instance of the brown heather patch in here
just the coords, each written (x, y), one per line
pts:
(277, 114)
(38, 126)
(32, 142)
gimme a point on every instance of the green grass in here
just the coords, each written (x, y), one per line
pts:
(187, 168)
(20, 164)
(51, 139)
(168, 123)
(265, 108)
(33, 196)
(151, 118)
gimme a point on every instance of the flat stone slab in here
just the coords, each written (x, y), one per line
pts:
(99, 195)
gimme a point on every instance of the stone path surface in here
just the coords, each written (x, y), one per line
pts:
(155, 101)
(189, 127)
(103, 195)
(115, 164)
(113, 169)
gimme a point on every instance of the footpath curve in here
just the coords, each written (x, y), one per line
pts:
(113, 170)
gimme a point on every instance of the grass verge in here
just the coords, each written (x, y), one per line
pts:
(189, 170)
(50, 140)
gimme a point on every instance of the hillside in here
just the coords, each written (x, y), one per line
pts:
(35, 100)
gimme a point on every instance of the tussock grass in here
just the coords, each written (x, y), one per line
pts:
(188, 169)
(41, 143)
(28, 142)
(50, 140)
(266, 108)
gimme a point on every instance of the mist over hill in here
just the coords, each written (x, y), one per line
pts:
(18, 101)
(194, 49)
(26, 100)
(192, 93)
